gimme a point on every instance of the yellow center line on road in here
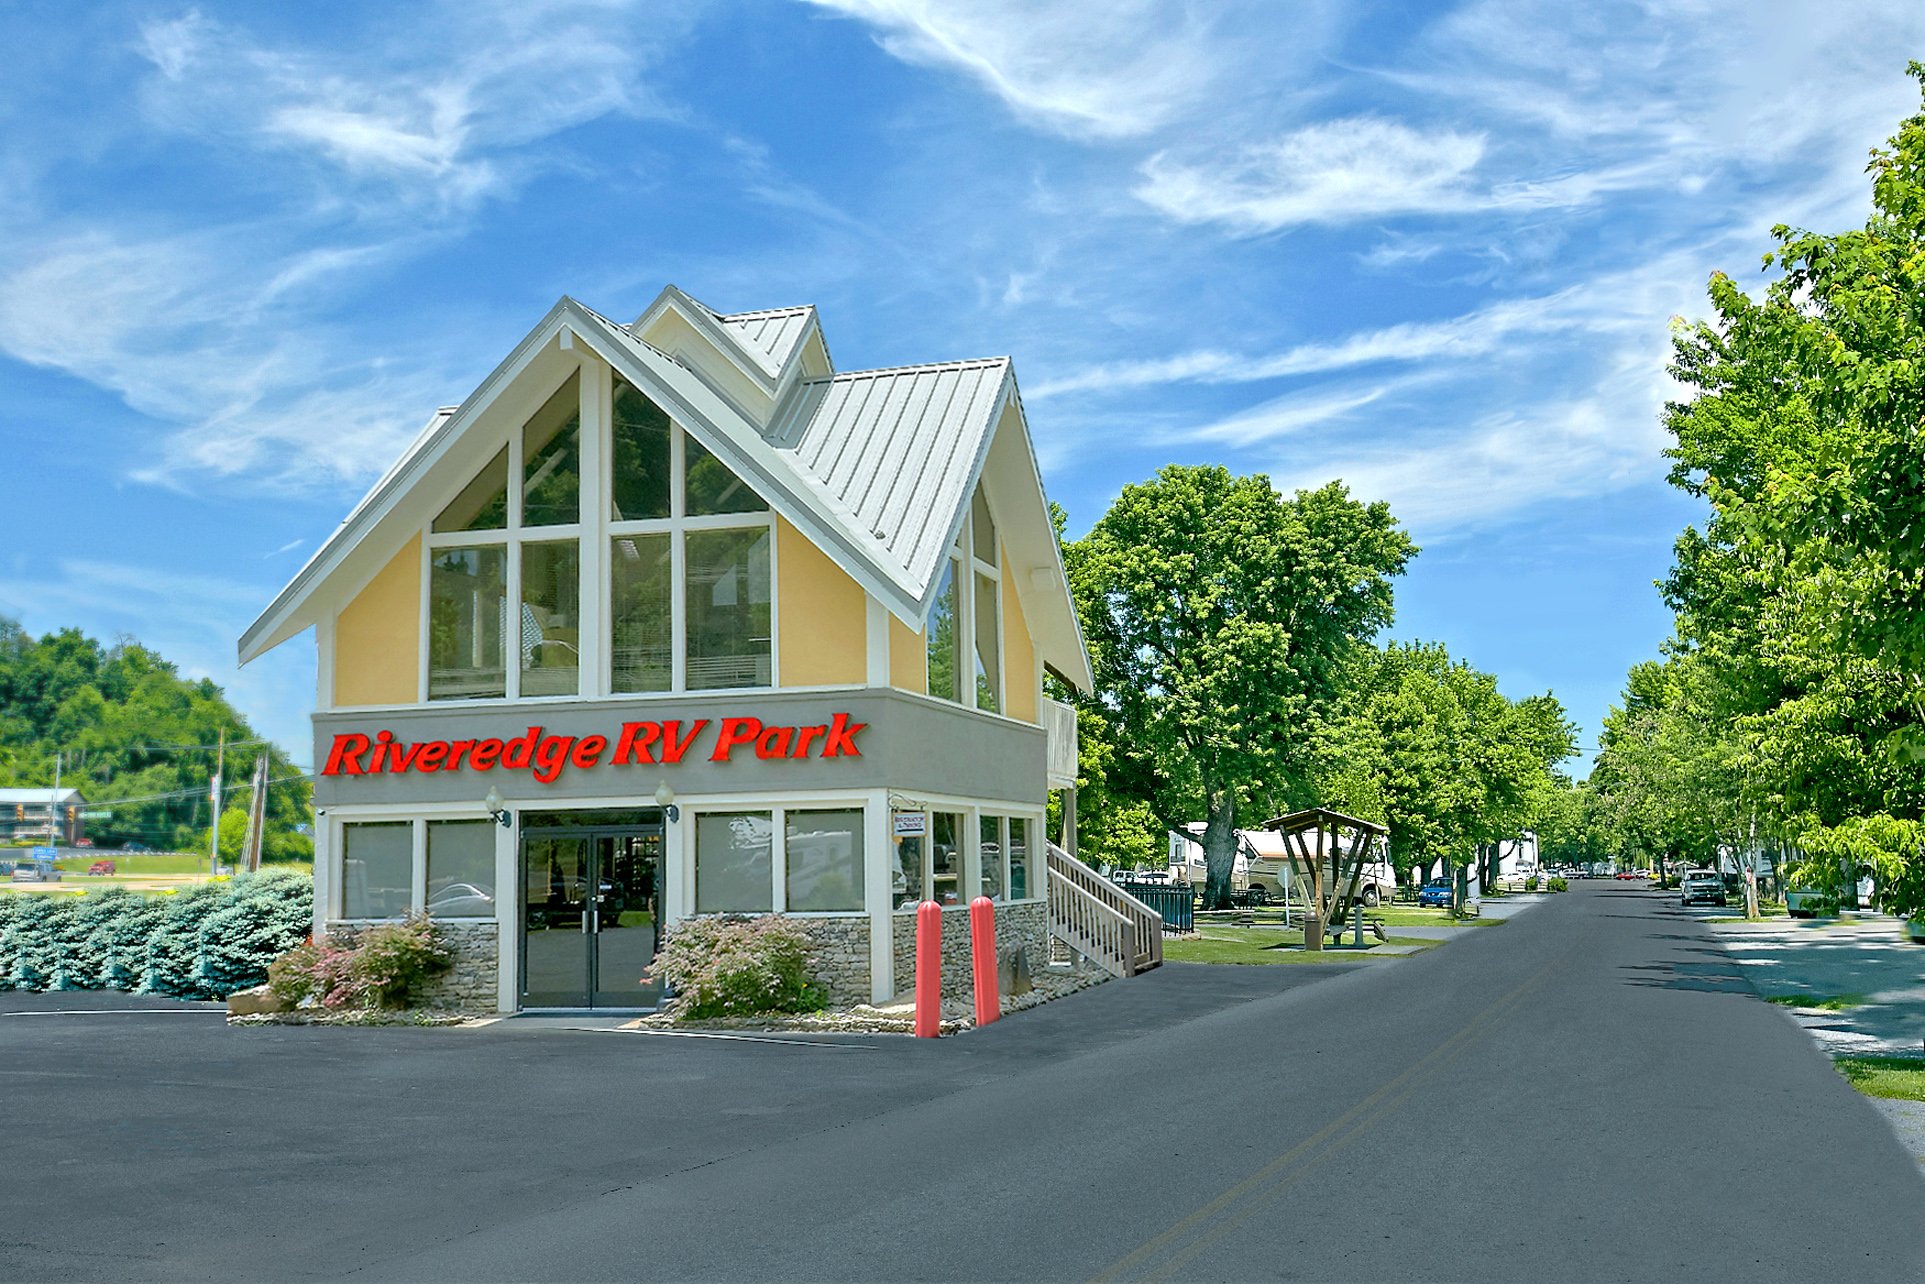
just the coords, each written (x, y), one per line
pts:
(1356, 1120)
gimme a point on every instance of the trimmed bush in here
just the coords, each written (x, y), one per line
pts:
(1557, 885)
(378, 967)
(203, 943)
(732, 965)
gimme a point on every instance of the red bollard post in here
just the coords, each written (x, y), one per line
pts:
(928, 970)
(982, 957)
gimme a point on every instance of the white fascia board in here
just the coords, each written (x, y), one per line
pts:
(672, 298)
(719, 427)
(288, 615)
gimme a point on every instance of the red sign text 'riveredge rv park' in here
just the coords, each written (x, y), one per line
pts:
(548, 756)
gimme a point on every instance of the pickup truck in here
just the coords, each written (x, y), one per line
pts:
(1702, 885)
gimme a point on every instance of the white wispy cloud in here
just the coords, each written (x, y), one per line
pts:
(1120, 69)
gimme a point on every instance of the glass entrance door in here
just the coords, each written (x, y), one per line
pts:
(591, 897)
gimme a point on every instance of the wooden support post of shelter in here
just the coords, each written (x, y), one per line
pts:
(1329, 850)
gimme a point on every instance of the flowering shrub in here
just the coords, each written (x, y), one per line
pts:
(379, 968)
(731, 965)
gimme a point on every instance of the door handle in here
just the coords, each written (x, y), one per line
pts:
(584, 922)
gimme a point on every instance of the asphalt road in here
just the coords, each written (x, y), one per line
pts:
(1588, 1092)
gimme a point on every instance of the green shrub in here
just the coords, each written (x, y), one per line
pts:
(265, 914)
(376, 967)
(1557, 885)
(731, 965)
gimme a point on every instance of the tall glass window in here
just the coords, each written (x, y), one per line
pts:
(988, 665)
(461, 868)
(712, 487)
(551, 618)
(907, 884)
(941, 634)
(551, 445)
(984, 530)
(467, 618)
(989, 851)
(377, 869)
(482, 504)
(643, 625)
(642, 468)
(1019, 882)
(727, 610)
(823, 851)
(734, 869)
(945, 851)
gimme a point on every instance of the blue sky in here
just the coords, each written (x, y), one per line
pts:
(1433, 250)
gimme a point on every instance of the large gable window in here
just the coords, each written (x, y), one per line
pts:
(551, 448)
(963, 632)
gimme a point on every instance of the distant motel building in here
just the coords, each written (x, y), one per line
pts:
(674, 618)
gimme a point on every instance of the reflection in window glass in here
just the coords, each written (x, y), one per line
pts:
(728, 608)
(823, 850)
(945, 851)
(551, 445)
(1018, 859)
(461, 868)
(988, 635)
(712, 487)
(641, 629)
(984, 530)
(482, 504)
(467, 614)
(733, 869)
(377, 869)
(550, 618)
(907, 884)
(939, 631)
(641, 456)
(989, 850)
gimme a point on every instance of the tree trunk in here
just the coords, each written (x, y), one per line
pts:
(1219, 847)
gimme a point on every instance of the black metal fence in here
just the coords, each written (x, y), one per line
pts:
(1174, 901)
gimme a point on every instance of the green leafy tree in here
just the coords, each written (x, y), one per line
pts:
(1218, 613)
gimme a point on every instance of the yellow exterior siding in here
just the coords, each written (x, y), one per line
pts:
(1020, 696)
(824, 625)
(377, 636)
(908, 658)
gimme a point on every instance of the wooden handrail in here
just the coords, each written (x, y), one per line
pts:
(1094, 916)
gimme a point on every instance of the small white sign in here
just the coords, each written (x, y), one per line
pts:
(911, 824)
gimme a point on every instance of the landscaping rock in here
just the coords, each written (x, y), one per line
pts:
(258, 1001)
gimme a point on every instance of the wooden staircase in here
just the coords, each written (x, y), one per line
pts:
(1099, 920)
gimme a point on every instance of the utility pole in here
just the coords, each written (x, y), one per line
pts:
(214, 794)
(53, 803)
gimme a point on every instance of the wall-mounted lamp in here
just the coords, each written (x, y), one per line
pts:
(497, 809)
(665, 799)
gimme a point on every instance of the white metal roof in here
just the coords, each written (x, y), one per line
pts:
(770, 337)
(876, 466)
(12, 797)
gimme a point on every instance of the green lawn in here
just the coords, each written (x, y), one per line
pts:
(1413, 916)
(1824, 1003)
(1213, 944)
(138, 863)
(1899, 1078)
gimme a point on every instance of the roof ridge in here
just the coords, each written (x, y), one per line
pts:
(762, 312)
(961, 363)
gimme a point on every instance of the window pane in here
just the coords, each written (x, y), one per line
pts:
(728, 608)
(642, 627)
(551, 447)
(906, 881)
(985, 529)
(990, 851)
(641, 462)
(988, 634)
(945, 846)
(712, 488)
(550, 618)
(1018, 859)
(467, 612)
(461, 868)
(733, 872)
(377, 869)
(824, 851)
(939, 631)
(483, 503)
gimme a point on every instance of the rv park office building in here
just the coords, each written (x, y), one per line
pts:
(674, 618)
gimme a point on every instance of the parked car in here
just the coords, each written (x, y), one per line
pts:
(458, 900)
(1702, 885)
(101, 867)
(1436, 892)
(26, 872)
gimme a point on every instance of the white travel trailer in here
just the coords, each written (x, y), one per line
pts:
(1187, 864)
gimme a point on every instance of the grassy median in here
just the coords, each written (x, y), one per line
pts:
(1896, 1078)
